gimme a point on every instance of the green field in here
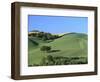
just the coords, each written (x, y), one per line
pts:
(71, 48)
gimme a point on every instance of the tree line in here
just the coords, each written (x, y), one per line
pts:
(44, 36)
(52, 60)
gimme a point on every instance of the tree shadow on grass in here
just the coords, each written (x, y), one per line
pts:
(52, 51)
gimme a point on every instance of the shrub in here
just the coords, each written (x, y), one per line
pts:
(45, 48)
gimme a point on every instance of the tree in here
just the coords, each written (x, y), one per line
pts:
(45, 48)
(50, 58)
(40, 34)
(48, 48)
(49, 36)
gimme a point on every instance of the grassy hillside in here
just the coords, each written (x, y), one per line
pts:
(71, 44)
(69, 48)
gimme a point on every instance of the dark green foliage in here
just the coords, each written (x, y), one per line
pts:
(45, 48)
(43, 35)
(50, 60)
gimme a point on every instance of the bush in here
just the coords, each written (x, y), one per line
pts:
(50, 60)
(45, 48)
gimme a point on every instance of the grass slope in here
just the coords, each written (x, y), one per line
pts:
(69, 45)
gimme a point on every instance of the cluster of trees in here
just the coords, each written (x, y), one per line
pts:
(45, 48)
(44, 35)
(50, 60)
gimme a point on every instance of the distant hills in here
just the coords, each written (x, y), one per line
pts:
(65, 47)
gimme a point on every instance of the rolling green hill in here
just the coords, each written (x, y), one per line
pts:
(69, 46)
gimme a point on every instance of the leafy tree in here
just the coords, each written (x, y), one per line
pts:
(45, 48)
(49, 36)
(41, 34)
(50, 58)
(48, 48)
